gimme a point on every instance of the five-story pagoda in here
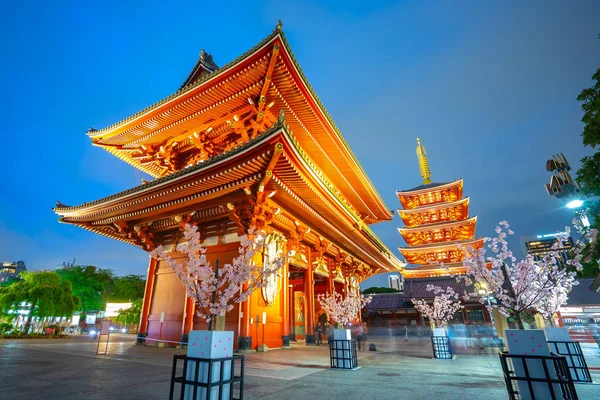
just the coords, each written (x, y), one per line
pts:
(437, 225)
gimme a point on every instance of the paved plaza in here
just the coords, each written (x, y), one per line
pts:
(69, 369)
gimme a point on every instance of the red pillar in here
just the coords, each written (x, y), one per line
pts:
(331, 280)
(148, 295)
(309, 293)
(190, 310)
(245, 331)
(285, 289)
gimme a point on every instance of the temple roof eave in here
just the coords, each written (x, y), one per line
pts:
(442, 246)
(429, 188)
(151, 189)
(441, 225)
(377, 209)
(433, 207)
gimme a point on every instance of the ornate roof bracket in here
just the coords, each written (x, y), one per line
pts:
(295, 237)
(139, 234)
(256, 211)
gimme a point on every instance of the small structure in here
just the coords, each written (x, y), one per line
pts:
(581, 314)
(394, 311)
(10, 270)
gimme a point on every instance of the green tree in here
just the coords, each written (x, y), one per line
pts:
(128, 288)
(131, 315)
(588, 176)
(375, 290)
(45, 292)
(90, 284)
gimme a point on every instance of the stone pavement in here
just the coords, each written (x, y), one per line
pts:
(69, 369)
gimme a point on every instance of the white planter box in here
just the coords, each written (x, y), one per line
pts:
(209, 344)
(342, 334)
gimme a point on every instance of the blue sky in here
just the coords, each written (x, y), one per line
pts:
(490, 88)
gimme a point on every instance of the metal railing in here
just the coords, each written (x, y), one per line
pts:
(537, 377)
(575, 359)
(342, 354)
(201, 386)
(441, 347)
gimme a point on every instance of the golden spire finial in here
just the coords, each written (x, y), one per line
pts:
(423, 162)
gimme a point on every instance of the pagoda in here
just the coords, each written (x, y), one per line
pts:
(246, 145)
(437, 225)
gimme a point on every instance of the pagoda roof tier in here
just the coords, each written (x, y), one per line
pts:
(432, 270)
(440, 232)
(441, 212)
(272, 167)
(430, 194)
(219, 108)
(438, 252)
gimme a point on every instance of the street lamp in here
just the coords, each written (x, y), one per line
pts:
(575, 203)
(580, 210)
(484, 293)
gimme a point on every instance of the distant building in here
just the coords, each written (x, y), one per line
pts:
(396, 282)
(11, 270)
(541, 245)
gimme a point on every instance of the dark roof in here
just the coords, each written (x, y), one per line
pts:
(387, 301)
(413, 289)
(427, 186)
(582, 295)
(417, 287)
(204, 64)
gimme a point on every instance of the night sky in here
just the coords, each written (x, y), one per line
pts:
(490, 87)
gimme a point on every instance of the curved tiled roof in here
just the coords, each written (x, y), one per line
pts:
(376, 205)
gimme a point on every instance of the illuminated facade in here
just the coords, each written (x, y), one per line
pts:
(11, 270)
(437, 223)
(245, 145)
(542, 245)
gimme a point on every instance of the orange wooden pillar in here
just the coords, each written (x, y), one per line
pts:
(331, 280)
(148, 295)
(190, 310)
(309, 294)
(245, 338)
(285, 307)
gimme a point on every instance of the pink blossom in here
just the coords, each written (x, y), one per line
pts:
(445, 304)
(341, 309)
(199, 278)
(529, 284)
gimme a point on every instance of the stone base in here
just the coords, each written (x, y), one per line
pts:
(262, 348)
(292, 336)
(285, 341)
(310, 339)
(244, 343)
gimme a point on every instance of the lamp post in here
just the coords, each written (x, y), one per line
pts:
(484, 292)
(580, 210)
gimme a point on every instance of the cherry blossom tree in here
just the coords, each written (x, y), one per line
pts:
(342, 309)
(216, 290)
(445, 304)
(528, 284)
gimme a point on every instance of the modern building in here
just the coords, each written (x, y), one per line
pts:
(396, 281)
(245, 145)
(541, 245)
(10, 270)
(437, 224)
(581, 314)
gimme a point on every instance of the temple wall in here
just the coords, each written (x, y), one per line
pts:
(169, 297)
